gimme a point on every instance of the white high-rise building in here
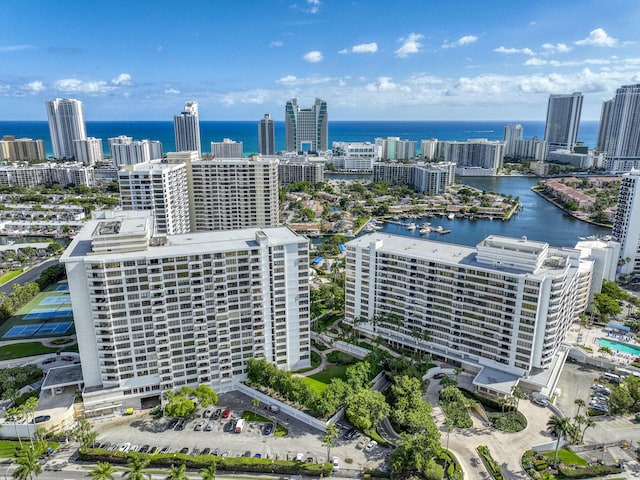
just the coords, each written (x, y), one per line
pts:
(626, 225)
(186, 127)
(66, 124)
(266, 136)
(563, 121)
(162, 189)
(127, 151)
(306, 129)
(155, 313)
(501, 309)
(233, 193)
(512, 132)
(475, 153)
(393, 148)
(623, 142)
(88, 151)
(428, 148)
(227, 148)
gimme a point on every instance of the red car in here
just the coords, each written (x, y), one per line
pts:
(226, 413)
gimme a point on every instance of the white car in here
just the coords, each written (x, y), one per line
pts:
(124, 447)
(299, 457)
(336, 463)
(370, 446)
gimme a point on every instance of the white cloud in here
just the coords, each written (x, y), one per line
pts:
(411, 44)
(510, 50)
(467, 39)
(344, 51)
(384, 84)
(122, 79)
(314, 56)
(171, 91)
(598, 38)
(556, 47)
(276, 43)
(34, 87)
(365, 48)
(4, 88)
(73, 85)
(314, 6)
(15, 48)
(535, 62)
(287, 79)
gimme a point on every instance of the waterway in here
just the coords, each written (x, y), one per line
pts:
(538, 220)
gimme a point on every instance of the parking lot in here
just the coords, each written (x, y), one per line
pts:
(142, 429)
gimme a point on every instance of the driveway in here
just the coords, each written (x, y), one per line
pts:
(506, 448)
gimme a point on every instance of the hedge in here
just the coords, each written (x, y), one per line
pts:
(588, 472)
(492, 466)
(239, 464)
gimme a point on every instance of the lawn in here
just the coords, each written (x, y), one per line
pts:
(10, 275)
(316, 385)
(331, 371)
(250, 416)
(281, 431)
(567, 457)
(27, 349)
(8, 447)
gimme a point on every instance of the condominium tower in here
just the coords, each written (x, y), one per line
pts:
(306, 129)
(88, 151)
(66, 124)
(127, 151)
(563, 120)
(160, 188)
(623, 142)
(155, 313)
(266, 136)
(186, 127)
(233, 193)
(605, 126)
(626, 224)
(21, 149)
(512, 132)
(501, 309)
(227, 148)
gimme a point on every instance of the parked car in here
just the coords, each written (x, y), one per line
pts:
(165, 449)
(370, 446)
(438, 376)
(144, 449)
(199, 426)
(48, 360)
(268, 429)
(273, 408)
(363, 442)
(299, 457)
(184, 450)
(195, 452)
(336, 463)
(206, 451)
(153, 450)
(226, 413)
(210, 426)
(206, 414)
(217, 414)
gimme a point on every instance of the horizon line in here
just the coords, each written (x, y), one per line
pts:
(350, 120)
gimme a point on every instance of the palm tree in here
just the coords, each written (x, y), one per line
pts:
(103, 471)
(588, 423)
(14, 414)
(29, 407)
(580, 403)
(518, 395)
(329, 438)
(560, 427)
(178, 472)
(209, 473)
(137, 470)
(28, 465)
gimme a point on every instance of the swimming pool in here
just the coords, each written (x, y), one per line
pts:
(619, 346)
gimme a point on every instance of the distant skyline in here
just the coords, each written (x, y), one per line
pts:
(403, 60)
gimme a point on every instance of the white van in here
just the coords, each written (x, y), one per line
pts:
(239, 425)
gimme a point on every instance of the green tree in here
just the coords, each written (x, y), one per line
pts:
(83, 432)
(588, 424)
(29, 409)
(620, 400)
(580, 403)
(518, 395)
(209, 473)
(605, 305)
(206, 395)
(180, 406)
(28, 465)
(136, 469)
(366, 408)
(13, 414)
(102, 471)
(329, 437)
(560, 427)
(177, 472)
(357, 375)
(255, 403)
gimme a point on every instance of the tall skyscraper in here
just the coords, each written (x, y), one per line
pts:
(266, 136)
(158, 312)
(227, 148)
(563, 121)
(306, 129)
(626, 225)
(512, 132)
(605, 126)
(66, 124)
(186, 127)
(623, 143)
(127, 151)
(162, 189)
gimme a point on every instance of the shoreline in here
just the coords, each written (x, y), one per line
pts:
(569, 212)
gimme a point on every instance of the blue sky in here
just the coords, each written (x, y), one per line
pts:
(370, 60)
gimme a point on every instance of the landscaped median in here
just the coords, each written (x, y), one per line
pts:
(240, 464)
(570, 466)
(490, 463)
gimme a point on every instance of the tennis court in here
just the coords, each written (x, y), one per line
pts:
(39, 329)
(43, 314)
(63, 287)
(60, 300)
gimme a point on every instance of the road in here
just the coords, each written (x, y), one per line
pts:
(29, 276)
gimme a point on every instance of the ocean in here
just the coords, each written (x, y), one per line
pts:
(339, 131)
